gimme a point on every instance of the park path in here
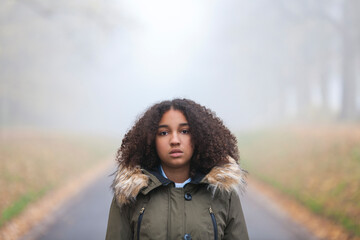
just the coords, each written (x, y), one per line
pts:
(85, 217)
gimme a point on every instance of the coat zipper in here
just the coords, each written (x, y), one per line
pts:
(214, 223)
(139, 222)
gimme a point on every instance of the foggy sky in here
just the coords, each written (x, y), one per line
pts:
(96, 68)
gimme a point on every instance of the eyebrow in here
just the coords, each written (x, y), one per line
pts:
(166, 126)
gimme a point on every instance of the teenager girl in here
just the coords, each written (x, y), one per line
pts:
(177, 177)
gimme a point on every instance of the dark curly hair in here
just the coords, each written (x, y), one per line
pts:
(212, 141)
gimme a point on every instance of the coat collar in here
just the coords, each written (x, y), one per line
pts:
(128, 182)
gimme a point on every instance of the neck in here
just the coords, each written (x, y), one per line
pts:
(177, 175)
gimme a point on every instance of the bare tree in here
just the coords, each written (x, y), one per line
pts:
(349, 33)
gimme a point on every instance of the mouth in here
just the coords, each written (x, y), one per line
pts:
(176, 153)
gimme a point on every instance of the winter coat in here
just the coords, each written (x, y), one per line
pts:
(148, 206)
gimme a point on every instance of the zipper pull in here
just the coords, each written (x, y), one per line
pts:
(211, 211)
(142, 210)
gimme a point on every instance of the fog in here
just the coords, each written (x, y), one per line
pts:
(94, 66)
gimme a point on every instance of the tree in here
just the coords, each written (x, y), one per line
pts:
(350, 34)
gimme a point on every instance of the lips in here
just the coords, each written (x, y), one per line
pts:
(176, 153)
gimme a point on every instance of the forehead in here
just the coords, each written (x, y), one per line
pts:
(173, 117)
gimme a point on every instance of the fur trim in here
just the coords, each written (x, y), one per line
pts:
(129, 182)
(227, 178)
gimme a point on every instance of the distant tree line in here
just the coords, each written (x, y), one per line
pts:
(323, 50)
(307, 53)
(46, 51)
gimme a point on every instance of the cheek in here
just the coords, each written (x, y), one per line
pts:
(160, 148)
(189, 145)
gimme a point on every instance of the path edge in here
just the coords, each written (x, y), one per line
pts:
(321, 227)
(37, 211)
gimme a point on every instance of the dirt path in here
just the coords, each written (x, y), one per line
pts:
(269, 214)
(85, 217)
(267, 221)
(321, 227)
(39, 211)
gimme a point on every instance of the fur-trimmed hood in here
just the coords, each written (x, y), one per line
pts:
(128, 182)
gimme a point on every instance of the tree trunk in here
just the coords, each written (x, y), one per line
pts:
(348, 107)
(303, 98)
(324, 88)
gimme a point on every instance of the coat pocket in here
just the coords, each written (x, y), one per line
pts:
(213, 219)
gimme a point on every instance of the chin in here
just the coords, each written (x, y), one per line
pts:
(176, 163)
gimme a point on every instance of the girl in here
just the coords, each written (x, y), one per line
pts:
(177, 177)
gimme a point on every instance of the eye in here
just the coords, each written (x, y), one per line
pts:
(162, 133)
(185, 131)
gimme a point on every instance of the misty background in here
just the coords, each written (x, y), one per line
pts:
(94, 66)
(283, 75)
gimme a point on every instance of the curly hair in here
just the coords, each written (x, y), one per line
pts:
(213, 142)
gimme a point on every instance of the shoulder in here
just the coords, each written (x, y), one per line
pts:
(227, 178)
(132, 182)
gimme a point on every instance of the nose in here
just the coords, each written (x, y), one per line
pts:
(174, 140)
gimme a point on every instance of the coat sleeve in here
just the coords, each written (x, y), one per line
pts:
(236, 226)
(118, 227)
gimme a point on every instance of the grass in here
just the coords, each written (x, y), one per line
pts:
(19, 205)
(319, 166)
(33, 162)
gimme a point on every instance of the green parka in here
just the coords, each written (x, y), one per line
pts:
(148, 206)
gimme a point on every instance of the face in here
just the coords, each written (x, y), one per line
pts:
(173, 140)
